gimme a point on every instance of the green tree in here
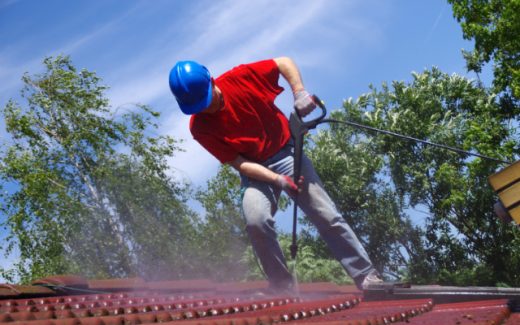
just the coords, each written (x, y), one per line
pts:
(462, 237)
(494, 25)
(88, 191)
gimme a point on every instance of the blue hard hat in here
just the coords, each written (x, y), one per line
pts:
(190, 83)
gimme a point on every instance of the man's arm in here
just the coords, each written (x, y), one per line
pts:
(290, 72)
(257, 171)
(303, 101)
(253, 170)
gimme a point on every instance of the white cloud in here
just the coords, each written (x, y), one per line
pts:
(195, 164)
(7, 3)
(14, 63)
(434, 26)
(11, 73)
(235, 34)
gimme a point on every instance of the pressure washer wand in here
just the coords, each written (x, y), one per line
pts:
(298, 129)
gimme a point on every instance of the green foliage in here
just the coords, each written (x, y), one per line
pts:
(477, 275)
(461, 235)
(88, 189)
(494, 25)
(311, 265)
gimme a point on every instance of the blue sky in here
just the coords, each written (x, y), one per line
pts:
(340, 46)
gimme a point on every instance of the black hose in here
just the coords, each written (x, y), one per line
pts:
(361, 126)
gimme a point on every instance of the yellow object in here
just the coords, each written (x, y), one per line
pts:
(506, 183)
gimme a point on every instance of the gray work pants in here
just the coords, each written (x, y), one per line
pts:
(260, 204)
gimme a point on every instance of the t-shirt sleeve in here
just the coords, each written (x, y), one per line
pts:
(266, 68)
(268, 74)
(220, 150)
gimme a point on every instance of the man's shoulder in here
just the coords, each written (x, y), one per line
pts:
(246, 68)
(235, 71)
(196, 122)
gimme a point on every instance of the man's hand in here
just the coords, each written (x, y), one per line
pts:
(286, 183)
(303, 102)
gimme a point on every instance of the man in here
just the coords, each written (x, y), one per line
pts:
(234, 118)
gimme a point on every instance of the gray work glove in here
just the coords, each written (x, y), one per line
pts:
(303, 102)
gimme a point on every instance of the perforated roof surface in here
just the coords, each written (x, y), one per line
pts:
(74, 300)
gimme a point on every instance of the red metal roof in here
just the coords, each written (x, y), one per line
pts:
(73, 300)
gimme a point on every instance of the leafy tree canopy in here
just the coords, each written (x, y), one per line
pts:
(461, 235)
(89, 191)
(494, 25)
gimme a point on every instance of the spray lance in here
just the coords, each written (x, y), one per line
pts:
(299, 128)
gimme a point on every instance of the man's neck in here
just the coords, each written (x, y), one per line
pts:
(217, 104)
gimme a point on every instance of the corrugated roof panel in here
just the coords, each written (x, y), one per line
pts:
(286, 310)
(476, 312)
(66, 301)
(377, 312)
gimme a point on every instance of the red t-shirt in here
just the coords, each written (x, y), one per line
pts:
(250, 124)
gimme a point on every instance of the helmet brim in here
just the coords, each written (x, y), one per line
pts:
(198, 107)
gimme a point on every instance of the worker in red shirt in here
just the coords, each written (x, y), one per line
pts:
(234, 118)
